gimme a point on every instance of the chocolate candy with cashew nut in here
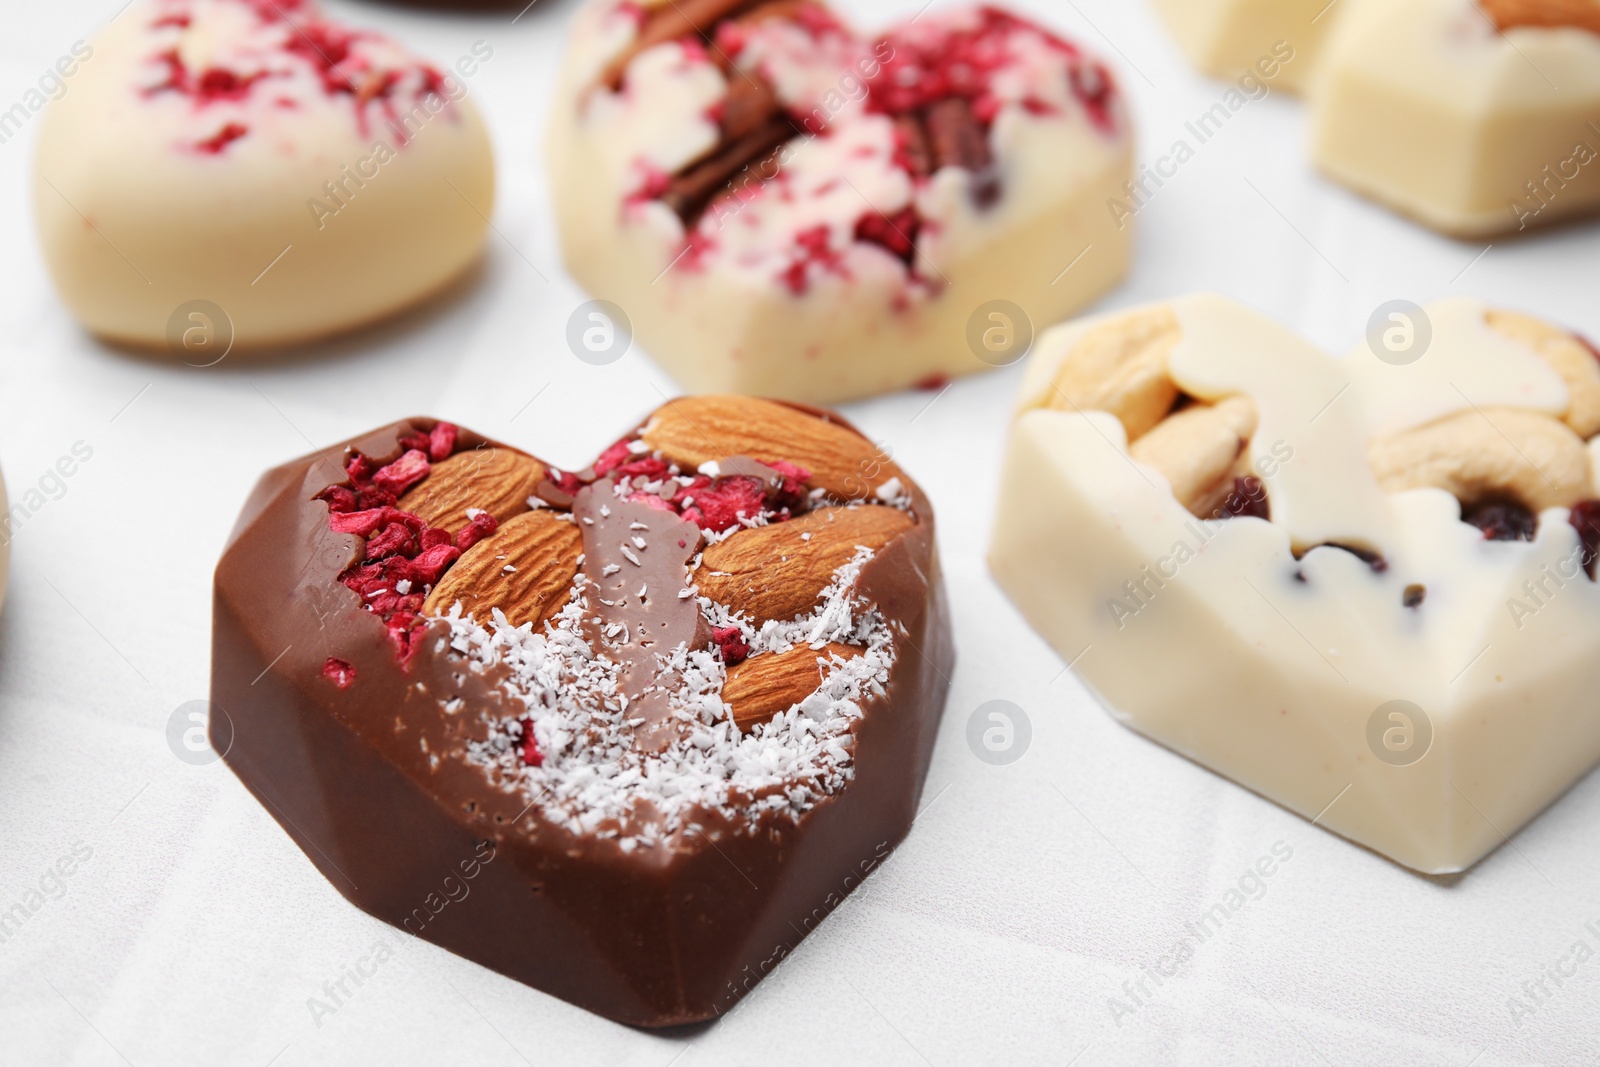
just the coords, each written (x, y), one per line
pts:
(1269, 546)
(679, 695)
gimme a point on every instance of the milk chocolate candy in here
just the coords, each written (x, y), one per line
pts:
(625, 734)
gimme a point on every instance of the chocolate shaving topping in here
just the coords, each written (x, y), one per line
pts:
(750, 106)
(960, 140)
(915, 150)
(692, 190)
(754, 123)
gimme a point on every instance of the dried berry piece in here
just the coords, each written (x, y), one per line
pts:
(339, 672)
(1585, 518)
(1249, 498)
(529, 747)
(735, 649)
(1502, 520)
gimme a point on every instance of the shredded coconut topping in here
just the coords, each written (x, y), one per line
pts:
(593, 780)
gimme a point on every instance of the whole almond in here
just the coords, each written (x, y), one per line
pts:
(1581, 14)
(497, 480)
(695, 430)
(525, 568)
(779, 571)
(763, 686)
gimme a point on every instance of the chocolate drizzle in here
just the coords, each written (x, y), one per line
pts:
(636, 559)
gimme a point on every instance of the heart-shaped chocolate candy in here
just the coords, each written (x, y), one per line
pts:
(1363, 587)
(657, 717)
(783, 206)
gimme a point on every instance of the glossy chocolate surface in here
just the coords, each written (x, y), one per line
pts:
(372, 777)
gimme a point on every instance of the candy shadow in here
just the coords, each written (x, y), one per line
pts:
(357, 343)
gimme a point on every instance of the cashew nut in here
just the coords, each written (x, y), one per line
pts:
(1567, 356)
(1201, 450)
(1120, 367)
(1479, 455)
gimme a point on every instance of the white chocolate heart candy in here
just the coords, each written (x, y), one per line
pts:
(1278, 41)
(249, 173)
(1474, 119)
(784, 207)
(1378, 608)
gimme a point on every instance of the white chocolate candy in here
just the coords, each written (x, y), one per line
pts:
(830, 268)
(1422, 709)
(302, 177)
(1425, 106)
(1235, 38)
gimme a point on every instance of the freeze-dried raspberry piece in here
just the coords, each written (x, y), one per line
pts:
(414, 442)
(359, 468)
(482, 525)
(528, 748)
(363, 523)
(434, 536)
(565, 481)
(403, 629)
(442, 441)
(403, 473)
(339, 672)
(650, 468)
(898, 235)
(339, 498)
(372, 497)
(396, 539)
(812, 248)
(611, 459)
(735, 649)
(427, 567)
(720, 505)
